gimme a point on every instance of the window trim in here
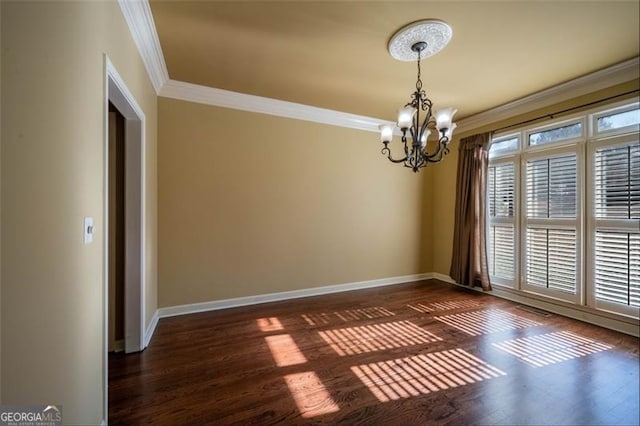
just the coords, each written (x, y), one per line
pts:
(551, 223)
(511, 158)
(619, 140)
(505, 137)
(616, 108)
(574, 119)
(586, 224)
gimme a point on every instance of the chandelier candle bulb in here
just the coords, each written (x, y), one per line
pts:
(405, 117)
(444, 119)
(386, 132)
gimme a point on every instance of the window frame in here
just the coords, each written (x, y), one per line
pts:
(504, 158)
(507, 220)
(593, 223)
(574, 119)
(576, 223)
(586, 224)
(611, 110)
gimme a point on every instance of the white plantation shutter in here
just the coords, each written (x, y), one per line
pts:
(551, 235)
(562, 188)
(502, 249)
(563, 201)
(501, 190)
(551, 258)
(617, 182)
(551, 187)
(617, 224)
(538, 188)
(618, 267)
(501, 242)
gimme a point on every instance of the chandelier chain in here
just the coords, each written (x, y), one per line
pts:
(419, 81)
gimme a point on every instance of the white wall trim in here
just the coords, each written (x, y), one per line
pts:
(582, 315)
(607, 77)
(139, 18)
(286, 295)
(445, 278)
(135, 193)
(116, 91)
(579, 313)
(240, 101)
(137, 14)
(148, 334)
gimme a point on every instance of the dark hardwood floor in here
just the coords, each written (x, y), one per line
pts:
(421, 353)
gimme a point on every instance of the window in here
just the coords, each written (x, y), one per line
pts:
(618, 120)
(544, 235)
(556, 134)
(502, 201)
(551, 224)
(504, 146)
(616, 217)
(501, 198)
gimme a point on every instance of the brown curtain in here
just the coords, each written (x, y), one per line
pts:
(469, 260)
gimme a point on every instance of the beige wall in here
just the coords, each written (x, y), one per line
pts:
(52, 176)
(445, 174)
(252, 204)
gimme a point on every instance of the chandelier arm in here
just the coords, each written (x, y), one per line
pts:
(404, 141)
(435, 156)
(424, 126)
(413, 135)
(386, 151)
(441, 151)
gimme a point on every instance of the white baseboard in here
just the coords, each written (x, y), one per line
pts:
(582, 314)
(442, 277)
(579, 313)
(170, 311)
(151, 329)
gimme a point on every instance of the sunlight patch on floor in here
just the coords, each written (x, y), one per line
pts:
(376, 337)
(284, 350)
(347, 315)
(269, 324)
(310, 395)
(550, 348)
(476, 323)
(425, 308)
(423, 374)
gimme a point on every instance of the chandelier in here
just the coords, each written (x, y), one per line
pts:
(418, 121)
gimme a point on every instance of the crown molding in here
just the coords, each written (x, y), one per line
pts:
(137, 14)
(607, 77)
(139, 18)
(240, 101)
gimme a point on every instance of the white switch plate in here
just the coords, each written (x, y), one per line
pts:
(88, 230)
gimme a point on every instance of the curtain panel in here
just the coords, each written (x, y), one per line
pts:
(469, 261)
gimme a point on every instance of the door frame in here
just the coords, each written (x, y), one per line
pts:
(116, 92)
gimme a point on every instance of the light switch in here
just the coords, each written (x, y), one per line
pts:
(88, 230)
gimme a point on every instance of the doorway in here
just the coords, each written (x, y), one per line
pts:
(116, 227)
(124, 309)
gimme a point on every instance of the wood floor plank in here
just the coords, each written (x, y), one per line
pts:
(398, 355)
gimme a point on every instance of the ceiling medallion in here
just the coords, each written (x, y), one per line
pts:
(412, 43)
(435, 33)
